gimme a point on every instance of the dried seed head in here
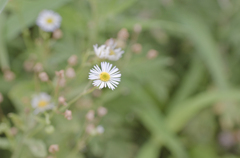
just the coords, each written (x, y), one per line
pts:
(102, 111)
(70, 72)
(60, 73)
(1, 98)
(53, 148)
(137, 28)
(136, 48)
(151, 54)
(90, 115)
(38, 67)
(9, 75)
(43, 77)
(72, 60)
(57, 34)
(68, 114)
(123, 34)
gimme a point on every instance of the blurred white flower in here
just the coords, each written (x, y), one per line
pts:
(101, 51)
(108, 51)
(100, 129)
(42, 102)
(48, 20)
(106, 76)
(113, 52)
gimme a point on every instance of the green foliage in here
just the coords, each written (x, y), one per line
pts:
(172, 105)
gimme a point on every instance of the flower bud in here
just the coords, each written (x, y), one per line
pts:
(90, 115)
(60, 73)
(1, 98)
(68, 114)
(123, 34)
(57, 34)
(137, 28)
(100, 129)
(136, 48)
(90, 128)
(49, 129)
(73, 60)
(9, 75)
(70, 72)
(38, 67)
(28, 65)
(102, 111)
(62, 100)
(151, 54)
(110, 42)
(53, 148)
(43, 76)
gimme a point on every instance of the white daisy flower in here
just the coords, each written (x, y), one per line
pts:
(42, 102)
(108, 51)
(48, 20)
(106, 76)
(114, 53)
(101, 51)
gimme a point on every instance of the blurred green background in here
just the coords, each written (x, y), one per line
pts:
(184, 103)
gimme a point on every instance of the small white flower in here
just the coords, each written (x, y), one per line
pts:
(101, 51)
(42, 102)
(100, 129)
(108, 51)
(106, 76)
(48, 20)
(114, 53)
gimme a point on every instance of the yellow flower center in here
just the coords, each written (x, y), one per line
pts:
(104, 76)
(49, 20)
(42, 103)
(112, 52)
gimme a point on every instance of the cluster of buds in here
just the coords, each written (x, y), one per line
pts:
(61, 78)
(90, 116)
(92, 130)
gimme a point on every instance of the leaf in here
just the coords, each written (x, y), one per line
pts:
(190, 82)
(198, 32)
(154, 121)
(4, 143)
(3, 3)
(183, 112)
(17, 121)
(37, 147)
(4, 60)
(150, 149)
